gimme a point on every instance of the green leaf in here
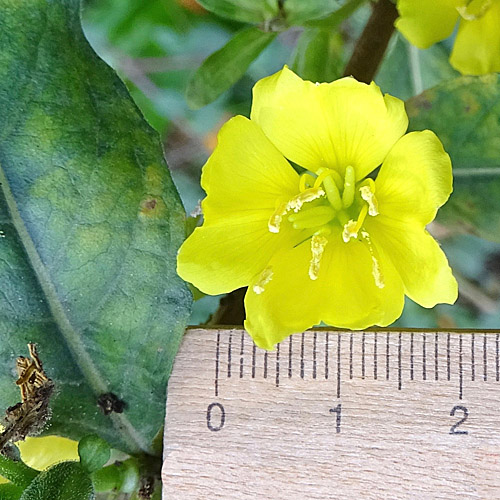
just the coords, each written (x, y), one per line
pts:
(64, 481)
(226, 66)
(10, 491)
(465, 115)
(333, 20)
(318, 55)
(300, 11)
(16, 472)
(247, 11)
(90, 224)
(407, 71)
(120, 476)
(94, 452)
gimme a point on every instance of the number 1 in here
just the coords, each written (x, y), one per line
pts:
(337, 410)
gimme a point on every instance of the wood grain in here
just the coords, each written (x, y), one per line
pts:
(398, 394)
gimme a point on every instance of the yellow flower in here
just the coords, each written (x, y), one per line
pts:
(42, 452)
(477, 46)
(331, 244)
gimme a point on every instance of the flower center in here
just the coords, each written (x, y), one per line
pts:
(326, 207)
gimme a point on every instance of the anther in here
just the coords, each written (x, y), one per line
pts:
(367, 192)
(376, 272)
(265, 277)
(318, 244)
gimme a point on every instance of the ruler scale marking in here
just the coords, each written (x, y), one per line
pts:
(375, 356)
(302, 356)
(387, 356)
(400, 380)
(315, 338)
(436, 357)
(326, 354)
(217, 356)
(485, 358)
(460, 367)
(254, 354)
(242, 351)
(277, 365)
(338, 364)
(411, 356)
(290, 353)
(229, 348)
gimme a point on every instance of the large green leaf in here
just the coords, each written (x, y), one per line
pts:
(64, 481)
(300, 11)
(90, 225)
(465, 114)
(247, 11)
(226, 66)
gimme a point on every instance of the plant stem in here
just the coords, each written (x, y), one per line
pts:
(231, 310)
(371, 45)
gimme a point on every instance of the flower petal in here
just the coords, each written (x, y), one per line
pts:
(426, 22)
(42, 452)
(477, 46)
(415, 178)
(365, 289)
(222, 257)
(289, 303)
(330, 125)
(245, 177)
(245, 173)
(418, 258)
(344, 295)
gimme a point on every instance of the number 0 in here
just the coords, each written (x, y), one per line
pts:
(222, 417)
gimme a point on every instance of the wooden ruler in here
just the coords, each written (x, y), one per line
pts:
(379, 414)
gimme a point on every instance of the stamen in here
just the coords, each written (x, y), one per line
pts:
(352, 228)
(274, 222)
(332, 193)
(349, 186)
(474, 9)
(306, 196)
(367, 192)
(304, 180)
(294, 204)
(349, 231)
(318, 244)
(265, 277)
(323, 174)
(312, 217)
(376, 272)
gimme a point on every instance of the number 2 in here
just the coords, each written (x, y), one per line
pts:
(465, 411)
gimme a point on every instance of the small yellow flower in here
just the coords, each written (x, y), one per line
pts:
(477, 46)
(333, 244)
(42, 452)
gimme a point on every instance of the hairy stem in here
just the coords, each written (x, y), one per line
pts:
(370, 48)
